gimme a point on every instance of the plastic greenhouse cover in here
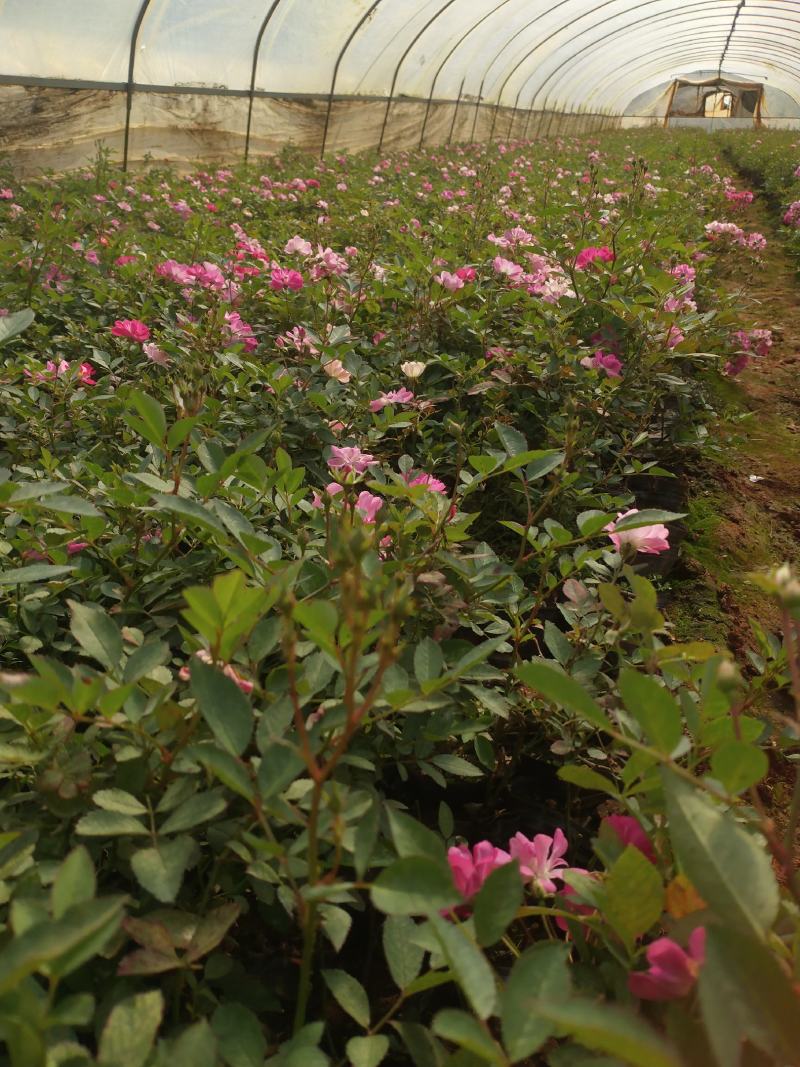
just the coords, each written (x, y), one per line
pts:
(587, 55)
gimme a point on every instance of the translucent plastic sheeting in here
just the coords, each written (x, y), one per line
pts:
(569, 54)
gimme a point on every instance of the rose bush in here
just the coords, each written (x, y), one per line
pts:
(327, 626)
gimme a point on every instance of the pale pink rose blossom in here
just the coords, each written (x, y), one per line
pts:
(350, 459)
(650, 540)
(395, 396)
(540, 858)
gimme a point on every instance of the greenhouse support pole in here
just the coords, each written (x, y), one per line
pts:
(669, 103)
(477, 108)
(449, 55)
(256, 50)
(367, 15)
(455, 112)
(400, 62)
(129, 86)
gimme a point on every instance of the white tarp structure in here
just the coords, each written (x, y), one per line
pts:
(187, 79)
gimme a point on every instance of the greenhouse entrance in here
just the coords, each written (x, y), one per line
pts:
(716, 99)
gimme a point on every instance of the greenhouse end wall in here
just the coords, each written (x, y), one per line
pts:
(43, 127)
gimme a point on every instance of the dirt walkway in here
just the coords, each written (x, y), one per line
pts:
(745, 501)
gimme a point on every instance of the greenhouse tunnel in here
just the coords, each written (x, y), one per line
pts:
(181, 80)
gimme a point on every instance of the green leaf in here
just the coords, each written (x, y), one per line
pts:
(586, 778)
(403, 957)
(320, 618)
(223, 705)
(210, 931)
(415, 885)
(464, 1030)
(633, 896)
(74, 883)
(428, 661)
(512, 440)
(744, 993)
(423, 1048)
(546, 462)
(96, 633)
(241, 1039)
(336, 924)
(540, 974)
(411, 838)
(120, 801)
(13, 325)
(72, 505)
(130, 1030)
(468, 964)
(714, 851)
(153, 425)
(559, 688)
(648, 517)
(145, 659)
(190, 510)
(367, 1051)
(109, 824)
(36, 572)
(349, 995)
(497, 903)
(457, 765)
(609, 1029)
(196, 810)
(196, 1047)
(160, 869)
(223, 766)
(738, 765)
(653, 708)
(81, 931)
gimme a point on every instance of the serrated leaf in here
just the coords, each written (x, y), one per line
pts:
(586, 778)
(160, 869)
(415, 885)
(241, 1039)
(497, 903)
(468, 964)
(540, 974)
(465, 1031)
(96, 633)
(198, 809)
(109, 824)
(428, 661)
(13, 325)
(713, 851)
(633, 896)
(367, 1051)
(562, 690)
(403, 957)
(653, 708)
(349, 994)
(74, 883)
(118, 800)
(223, 705)
(130, 1030)
(738, 765)
(35, 572)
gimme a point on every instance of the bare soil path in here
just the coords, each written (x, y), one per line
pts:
(745, 500)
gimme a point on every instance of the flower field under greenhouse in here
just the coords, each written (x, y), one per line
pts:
(349, 714)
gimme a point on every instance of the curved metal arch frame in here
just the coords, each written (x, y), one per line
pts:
(693, 55)
(254, 70)
(611, 34)
(444, 63)
(767, 57)
(353, 34)
(129, 86)
(755, 41)
(555, 33)
(400, 62)
(701, 5)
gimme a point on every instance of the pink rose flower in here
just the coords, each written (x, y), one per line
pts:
(349, 459)
(630, 832)
(650, 540)
(471, 868)
(605, 361)
(449, 281)
(132, 329)
(540, 858)
(395, 396)
(672, 971)
(587, 256)
(156, 354)
(433, 485)
(368, 506)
